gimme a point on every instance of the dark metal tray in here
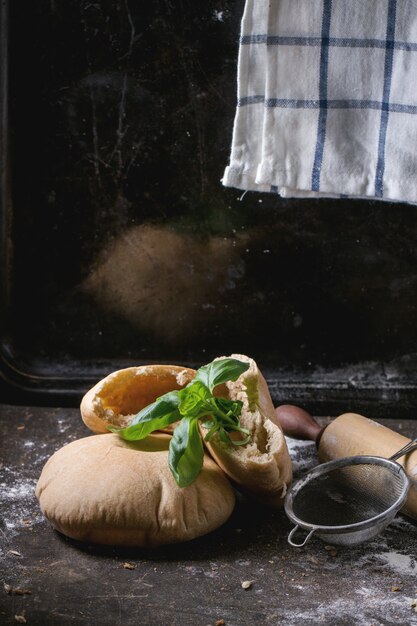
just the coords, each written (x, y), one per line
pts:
(120, 246)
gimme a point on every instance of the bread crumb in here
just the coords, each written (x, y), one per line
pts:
(183, 378)
(20, 619)
(219, 622)
(14, 552)
(247, 584)
(394, 588)
(17, 591)
(313, 559)
(129, 566)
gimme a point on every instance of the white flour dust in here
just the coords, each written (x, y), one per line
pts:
(403, 564)
(18, 491)
(303, 455)
(369, 604)
(402, 523)
(17, 497)
(365, 604)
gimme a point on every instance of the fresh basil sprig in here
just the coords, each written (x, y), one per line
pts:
(187, 406)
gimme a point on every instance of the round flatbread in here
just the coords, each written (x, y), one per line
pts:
(102, 489)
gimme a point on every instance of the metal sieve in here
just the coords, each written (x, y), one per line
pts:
(350, 500)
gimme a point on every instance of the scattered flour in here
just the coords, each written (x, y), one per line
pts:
(370, 604)
(18, 503)
(401, 563)
(18, 491)
(404, 524)
(303, 455)
(63, 425)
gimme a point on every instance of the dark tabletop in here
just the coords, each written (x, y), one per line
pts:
(48, 579)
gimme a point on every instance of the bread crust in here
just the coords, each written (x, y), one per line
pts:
(102, 489)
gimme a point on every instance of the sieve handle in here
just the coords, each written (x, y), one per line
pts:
(411, 445)
(306, 540)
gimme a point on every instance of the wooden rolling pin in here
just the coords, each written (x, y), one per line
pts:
(350, 435)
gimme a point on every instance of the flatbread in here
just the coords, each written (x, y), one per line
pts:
(102, 489)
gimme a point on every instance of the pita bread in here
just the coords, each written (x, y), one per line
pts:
(262, 468)
(102, 489)
(123, 393)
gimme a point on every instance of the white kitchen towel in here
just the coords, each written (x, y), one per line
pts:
(327, 99)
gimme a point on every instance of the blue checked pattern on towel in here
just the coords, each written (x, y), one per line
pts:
(327, 99)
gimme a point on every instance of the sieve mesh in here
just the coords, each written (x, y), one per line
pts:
(348, 495)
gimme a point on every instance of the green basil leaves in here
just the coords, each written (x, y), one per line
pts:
(187, 406)
(220, 371)
(155, 416)
(186, 453)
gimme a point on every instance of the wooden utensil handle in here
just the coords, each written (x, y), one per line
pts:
(298, 423)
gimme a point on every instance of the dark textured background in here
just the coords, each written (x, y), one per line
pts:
(124, 247)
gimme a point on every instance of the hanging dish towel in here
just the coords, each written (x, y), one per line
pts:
(327, 99)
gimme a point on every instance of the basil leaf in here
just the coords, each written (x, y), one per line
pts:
(232, 406)
(224, 436)
(161, 413)
(242, 442)
(186, 452)
(212, 426)
(187, 406)
(163, 405)
(192, 397)
(142, 429)
(220, 371)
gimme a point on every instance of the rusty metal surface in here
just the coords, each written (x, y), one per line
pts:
(196, 583)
